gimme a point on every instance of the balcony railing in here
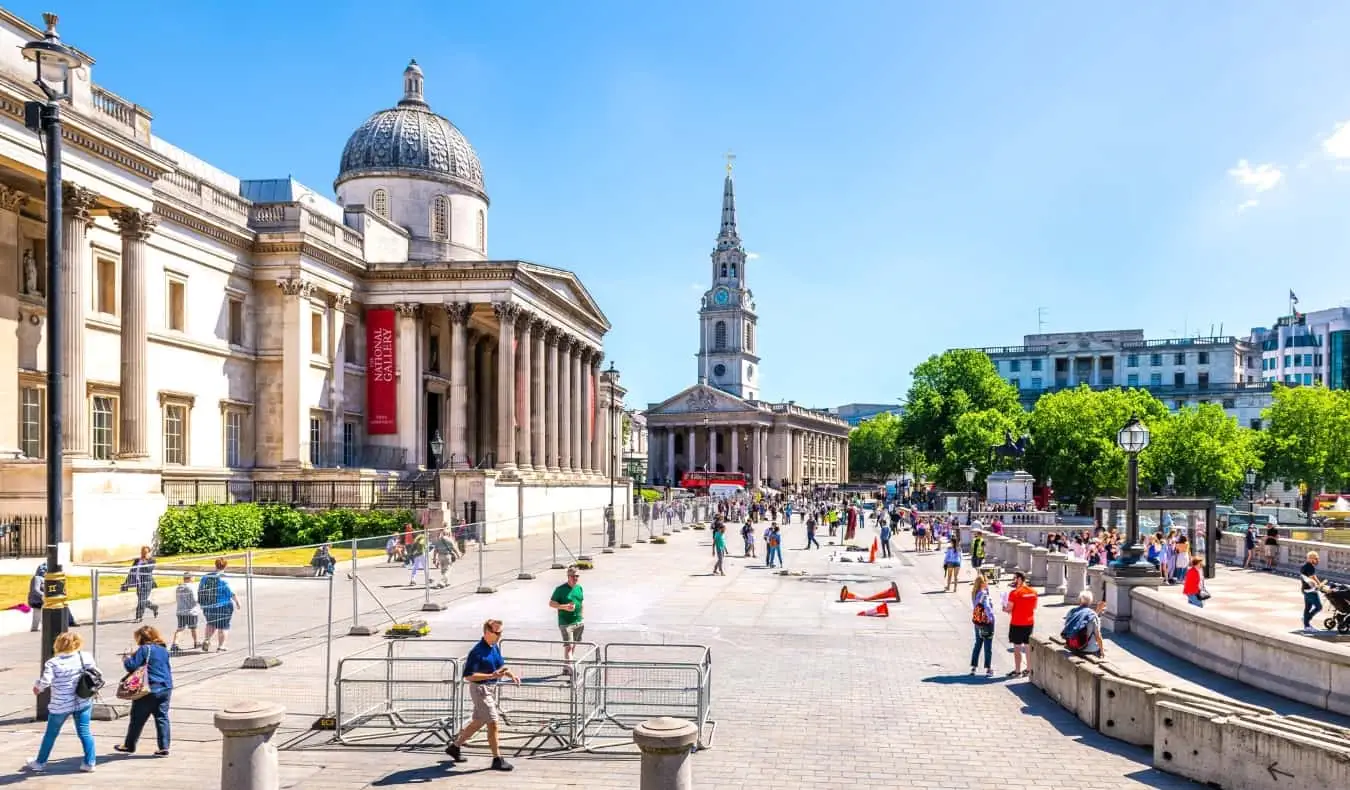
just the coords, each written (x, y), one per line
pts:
(1167, 390)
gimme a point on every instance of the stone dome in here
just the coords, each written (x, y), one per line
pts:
(411, 140)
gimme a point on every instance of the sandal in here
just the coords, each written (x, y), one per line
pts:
(123, 748)
(161, 752)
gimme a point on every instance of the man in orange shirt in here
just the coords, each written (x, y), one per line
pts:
(1021, 607)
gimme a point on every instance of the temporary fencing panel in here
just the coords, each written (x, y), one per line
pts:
(637, 682)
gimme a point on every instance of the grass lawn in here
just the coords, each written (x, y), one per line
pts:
(14, 589)
(261, 557)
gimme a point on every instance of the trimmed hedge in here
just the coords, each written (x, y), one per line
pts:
(207, 528)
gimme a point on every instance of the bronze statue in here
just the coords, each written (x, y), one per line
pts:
(1009, 448)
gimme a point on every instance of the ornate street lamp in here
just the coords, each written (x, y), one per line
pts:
(1251, 490)
(53, 62)
(1133, 437)
(971, 471)
(1171, 483)
(437, 448)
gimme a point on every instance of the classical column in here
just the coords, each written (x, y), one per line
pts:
(76, 217)
(457, 313)
(588, 400)
(524, 389)
(472, 364)
(565, 459)
(409, 381)
(596, 415)
(136, 227)
(506, 313)
(669, 471)
(691, 452)
(551, 340)
(337, 403)
(735, 451)
(843, 472)
(577, 393)
(714, 444)
(538, 400)
(295, 353)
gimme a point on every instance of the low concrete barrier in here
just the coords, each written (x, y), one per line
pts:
(1200, 736)
(1291, 666)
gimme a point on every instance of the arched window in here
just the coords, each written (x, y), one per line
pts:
(440, 218)
(720, 335)
(379, 203)
(733, 270)
(724, 270)
(482, 231)
(749, 336)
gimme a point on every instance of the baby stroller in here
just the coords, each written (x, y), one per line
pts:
(1338, 595)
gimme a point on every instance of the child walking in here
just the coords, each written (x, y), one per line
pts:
(186, 596)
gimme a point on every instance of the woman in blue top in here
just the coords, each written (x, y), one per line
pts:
(218, 603)
(982, 617)
(154, 656)
(951, 563)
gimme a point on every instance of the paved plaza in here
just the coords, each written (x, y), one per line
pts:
(805, 693)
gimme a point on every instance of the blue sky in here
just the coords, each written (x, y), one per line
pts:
(912, 176)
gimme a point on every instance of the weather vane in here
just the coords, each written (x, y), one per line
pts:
(731, 158)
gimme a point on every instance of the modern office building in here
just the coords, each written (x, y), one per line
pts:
(1312, 349)
(854, 413)
(1179, 371)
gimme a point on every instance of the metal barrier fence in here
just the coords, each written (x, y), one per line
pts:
(636, 682)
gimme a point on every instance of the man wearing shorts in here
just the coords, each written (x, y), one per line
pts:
(1021, 609)
(567, 598)
(484, 669)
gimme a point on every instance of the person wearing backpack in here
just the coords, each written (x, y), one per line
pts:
(73, 679)
(218, 603)
(982, 617)
(1082, 631)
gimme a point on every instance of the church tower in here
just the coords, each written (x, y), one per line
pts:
(727, 342)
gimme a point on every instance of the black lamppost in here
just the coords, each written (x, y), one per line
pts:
(54, 62)
(1251, 491)
(1132, 438)
(970, 501)
(1171, 484)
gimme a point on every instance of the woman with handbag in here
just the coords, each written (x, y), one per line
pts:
(1194, 584)
(74, 680)
(982, 617)
(148, 684)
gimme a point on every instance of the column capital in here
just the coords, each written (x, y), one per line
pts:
(12, 199)
(340, 302)
(553, 336)
(296, 287)
(506, 312)
(135, 224)
(78, 202)
(597, 357)
(459, 312)
(408, 309)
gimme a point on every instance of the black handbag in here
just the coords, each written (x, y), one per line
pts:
(90, 681)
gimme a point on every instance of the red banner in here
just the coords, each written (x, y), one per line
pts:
(381, 374)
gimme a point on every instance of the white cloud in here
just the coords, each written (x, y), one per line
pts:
(1248, 204)
(1259, 178)
(752, 256)
(695, 287)
(1338, 144)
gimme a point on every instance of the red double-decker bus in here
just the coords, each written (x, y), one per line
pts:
(700, 481)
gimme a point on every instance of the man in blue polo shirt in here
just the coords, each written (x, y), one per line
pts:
(484, 669)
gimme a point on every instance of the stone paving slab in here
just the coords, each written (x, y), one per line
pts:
(805, 692)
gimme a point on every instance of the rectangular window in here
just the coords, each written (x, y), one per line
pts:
(1014, 366)
(1179, 379)
(349, 344)
(1181, 358)
(1132, 380)
(105, 286)
(315, 441)
(1307, 379)
(235, 322)
(1015, 382)
(175, 434)
(1202, 379)
(349, 438)
(103, 427)
(1286, 360)
(1255, 423)
(33, 422)
(434, 353)
(316, 333)
(177, 305)
(1132, 360)
(1035, 366)
(1178, 405)
(1036, 382)
(1202, 357)
(1155, 379)
(1229, 403)
(234, 438)
(1155, 360)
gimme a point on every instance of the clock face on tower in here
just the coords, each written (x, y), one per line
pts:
(721, 296)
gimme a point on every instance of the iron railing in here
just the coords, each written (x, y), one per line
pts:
(394, 493)
(23, 536)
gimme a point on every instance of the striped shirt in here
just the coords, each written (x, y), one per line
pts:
(61, 673)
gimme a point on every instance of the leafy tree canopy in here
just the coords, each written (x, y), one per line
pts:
(1206, 450)
(947, 386)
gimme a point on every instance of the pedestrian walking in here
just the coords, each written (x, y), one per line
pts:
(775, 543)
(185, 600)
(218, 603)
(1021, 609)
(885, 539)
(719, 547)
(951, 565)
(70, 699)
(141, 578)
(982, 617)
(484, 669)
(567, 600)
(977, 550)
(748, 535)
(151, 654)
(1311, 585)
(417, 555)
(447, 553)
(811, 533)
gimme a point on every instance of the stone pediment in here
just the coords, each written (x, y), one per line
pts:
(567, 287)
(698, 399)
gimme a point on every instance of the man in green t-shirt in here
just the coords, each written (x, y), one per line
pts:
(567, 599)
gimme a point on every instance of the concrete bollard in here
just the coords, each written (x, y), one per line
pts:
(1096, 582)
(1075, 579)
(248, 758)
(1038, 563)
(666, 746)
(1054, 573)
(1024, 557)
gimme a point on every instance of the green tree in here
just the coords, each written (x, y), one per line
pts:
(1306, 437)
(874, 447)
(947, 386)
(1073, 439)
(1207, 451)
(976, 432)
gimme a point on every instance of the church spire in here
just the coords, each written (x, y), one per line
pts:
(728, 231)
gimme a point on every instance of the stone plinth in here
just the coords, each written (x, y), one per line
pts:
(1024, 557)
(1116, 618)
(1075, 578)
(1054, 573)
(1009, 487)
(666, 746)
(1038, 563)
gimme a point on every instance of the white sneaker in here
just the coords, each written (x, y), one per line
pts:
(87, 768)
(33, 767)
